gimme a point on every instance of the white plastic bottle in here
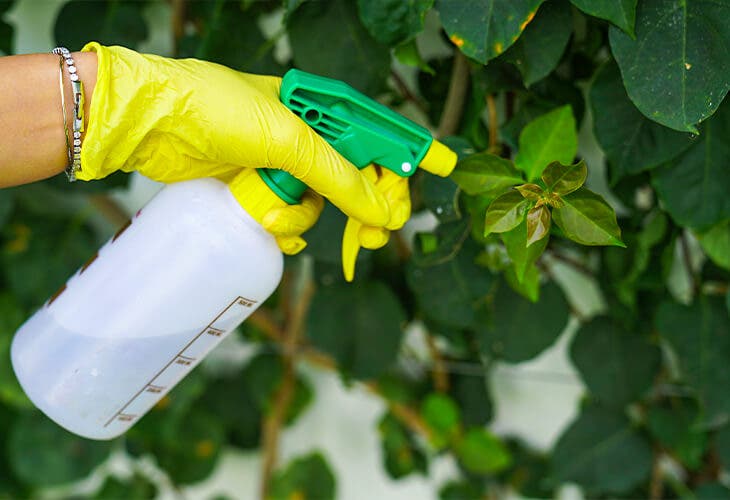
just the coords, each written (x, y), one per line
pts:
(143, 312)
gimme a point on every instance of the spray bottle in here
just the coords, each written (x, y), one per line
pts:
(189, 268)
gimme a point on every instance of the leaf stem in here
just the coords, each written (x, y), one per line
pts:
(454, 106)
(439, 372)
(492, 125)
(406, 92)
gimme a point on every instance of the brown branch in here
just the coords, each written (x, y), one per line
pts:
(109, 209)
(264, 320)
(274, 421)
(405, 414)
(439, 373)
(406, 92)
(493, 125)
(656, 484)
(178, 23)
(454, 106)
(575, 264)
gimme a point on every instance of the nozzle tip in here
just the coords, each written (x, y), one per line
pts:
(439, 159)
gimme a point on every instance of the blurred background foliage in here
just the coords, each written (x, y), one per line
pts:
(517, 83)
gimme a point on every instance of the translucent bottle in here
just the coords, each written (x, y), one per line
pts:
(141, 313)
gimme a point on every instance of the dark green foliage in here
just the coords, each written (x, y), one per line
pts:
(484, 279)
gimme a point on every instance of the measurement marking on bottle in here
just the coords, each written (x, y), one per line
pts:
(179, 359)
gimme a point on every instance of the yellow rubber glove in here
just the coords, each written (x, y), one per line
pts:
(173, 120)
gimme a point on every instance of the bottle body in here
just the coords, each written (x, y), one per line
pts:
(145, 310)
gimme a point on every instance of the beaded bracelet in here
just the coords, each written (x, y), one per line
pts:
(78, 116)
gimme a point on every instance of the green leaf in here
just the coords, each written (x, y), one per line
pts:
(520, 329)
(523, 257)
(529, 286)
(678, 427)
(551, 137)
(505, 213)
(43, 454)
(242, 420)
(471, 393)
(6, 206)
(307, 478)
(483, 29)
(107, 22)
(460, 490)
(539, 49)
(442, 416)
(538, 224)
(693, 186)
(712, 491)
(401, 455)
(679, 53)
(480, 452)
(262, 377)
(373, 318)
(601, 452)
(639, 143)
(440, 195)
(485, 173)
(722, 445)
(700, 337)
(441, 245)
(466, 282)
(135, 488)
(407, 53)
(530, 191)
(586, 218)
(328, 39)
(564, 179)
(716, 244)
(617, 367)
(622, 13)
(6, 37)
(392, 22)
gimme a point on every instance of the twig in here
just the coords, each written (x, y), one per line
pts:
(274, 421)
(575, 264)
(406, 92)
(454, 105)
(493, 126)
(178, 23)
(656, 485)
(109, 209)
(439, 373)
(405, 414)
(263, 319)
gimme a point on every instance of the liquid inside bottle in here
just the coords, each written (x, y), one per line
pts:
(146, 309)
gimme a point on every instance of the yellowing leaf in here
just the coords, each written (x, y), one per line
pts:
(505, 213)
(538, 224)
(564, 179)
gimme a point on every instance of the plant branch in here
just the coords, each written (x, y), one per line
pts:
(406, 92)
(275, 420)
(656, 484)
(439, 372)
(693, 278)
(574, 263)
(404, 413)
(454, 106)
(178, 23)
(493, 125)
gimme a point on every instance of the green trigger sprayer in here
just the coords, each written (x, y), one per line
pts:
(192, 265)
(363, 131)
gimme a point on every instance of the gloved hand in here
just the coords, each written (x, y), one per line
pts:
(173, 120)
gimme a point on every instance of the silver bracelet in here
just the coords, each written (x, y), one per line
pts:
(77, 87)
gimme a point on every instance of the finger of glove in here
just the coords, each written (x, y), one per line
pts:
(298, 150)
(397, 195)
(294, 220)
(372, 237)
(291, 245)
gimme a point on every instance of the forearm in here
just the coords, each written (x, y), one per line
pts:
(33, 144)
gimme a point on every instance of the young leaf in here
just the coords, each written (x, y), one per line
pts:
(505, 213)
(523, 256)
(564, 179)
(530, 191)
(483, 29)
(407, 53)
(587, 219)
(485, 173)
(538, 224)
(482, 453)
(550, 137)
(676, 54)
(443, 418)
